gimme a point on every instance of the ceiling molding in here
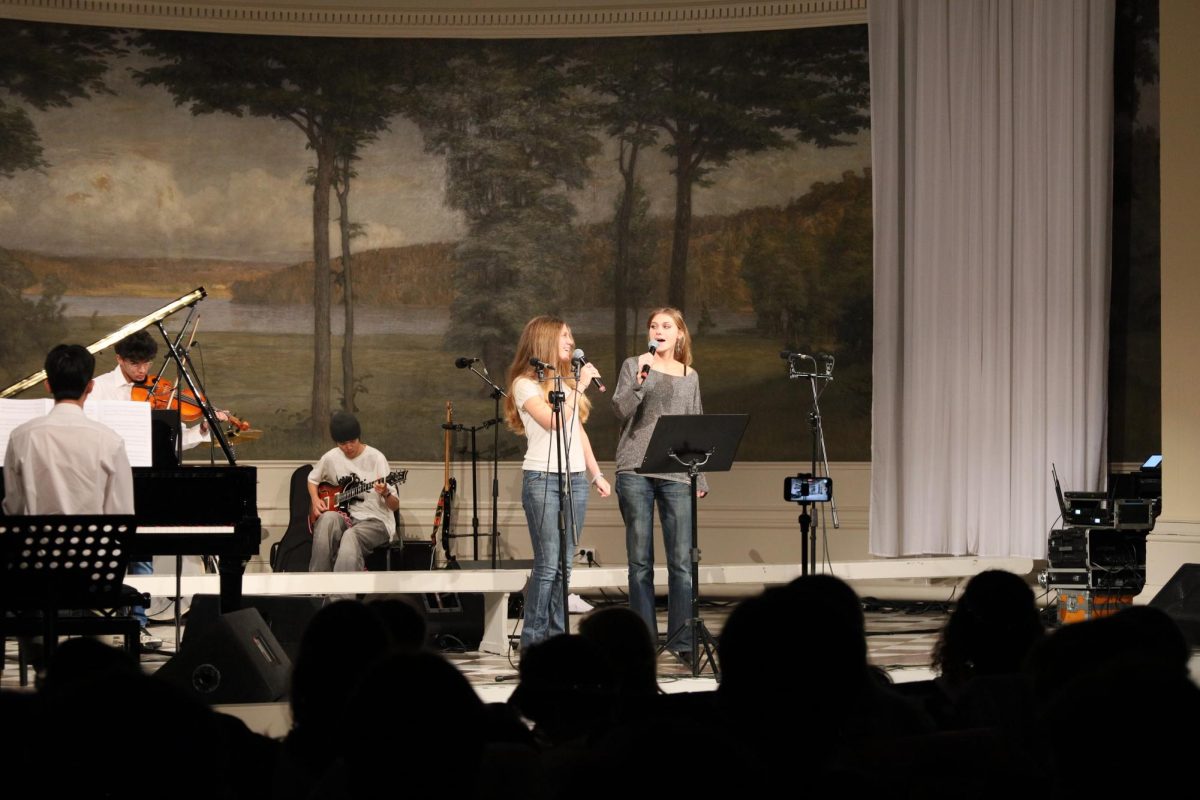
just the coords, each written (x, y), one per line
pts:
(486, 19)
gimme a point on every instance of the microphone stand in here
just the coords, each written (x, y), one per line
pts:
(496, 394)
(808, 533)
(558, 434)
(557, 399)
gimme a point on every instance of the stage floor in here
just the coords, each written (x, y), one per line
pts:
(900, 640)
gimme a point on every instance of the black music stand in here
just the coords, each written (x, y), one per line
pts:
(63, 562)
(166, 438)
(700, 443)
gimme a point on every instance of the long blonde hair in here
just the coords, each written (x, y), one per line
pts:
(683, 343)
(539, 340)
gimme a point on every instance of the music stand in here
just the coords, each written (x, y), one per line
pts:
(166, 438)
(700, 443)
(63, 562)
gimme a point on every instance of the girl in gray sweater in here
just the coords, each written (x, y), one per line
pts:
(655, 383)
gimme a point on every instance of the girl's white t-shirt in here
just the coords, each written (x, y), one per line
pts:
(541, 451)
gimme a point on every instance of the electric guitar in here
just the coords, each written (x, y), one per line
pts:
(338, 496)
(445, 504)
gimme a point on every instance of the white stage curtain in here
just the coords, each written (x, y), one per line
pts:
(992, 138)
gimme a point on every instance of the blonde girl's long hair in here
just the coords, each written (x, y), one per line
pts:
(539, 340)
(683, 344)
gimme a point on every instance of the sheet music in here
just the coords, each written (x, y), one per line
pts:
(18, 412)
(130, 420)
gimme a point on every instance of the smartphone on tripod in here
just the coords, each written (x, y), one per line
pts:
(805, 488)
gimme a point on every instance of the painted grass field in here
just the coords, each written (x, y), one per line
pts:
(265, 379)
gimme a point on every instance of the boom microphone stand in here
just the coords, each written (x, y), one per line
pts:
(821, 372)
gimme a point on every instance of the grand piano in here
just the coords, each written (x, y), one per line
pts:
(186, 509)
(199, 510)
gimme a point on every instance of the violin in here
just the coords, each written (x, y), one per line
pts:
(162, 395)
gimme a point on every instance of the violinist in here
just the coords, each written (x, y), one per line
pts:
(134, 356)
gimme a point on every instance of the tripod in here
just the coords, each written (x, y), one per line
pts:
(821, 372)
(701, 443)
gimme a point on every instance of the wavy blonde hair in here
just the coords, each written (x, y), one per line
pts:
(683, 344)
(539, 340)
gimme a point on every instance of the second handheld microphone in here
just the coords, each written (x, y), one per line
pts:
(579, 359)
(653, 348)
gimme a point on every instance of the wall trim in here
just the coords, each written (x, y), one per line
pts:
(486, 19)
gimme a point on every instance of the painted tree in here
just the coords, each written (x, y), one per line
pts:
(720, 96)
(515, 135)
(636, 235)
(28, 326)
(343, 178)
(43, 67)
(808, 268)
(625, 79)
(336, 92)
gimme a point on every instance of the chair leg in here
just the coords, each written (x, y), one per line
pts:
(133, 640)
(22, 662)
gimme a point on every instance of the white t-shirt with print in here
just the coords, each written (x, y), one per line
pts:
(369, 465)
(541, 451)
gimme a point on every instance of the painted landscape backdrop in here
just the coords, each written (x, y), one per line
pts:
(361, 212)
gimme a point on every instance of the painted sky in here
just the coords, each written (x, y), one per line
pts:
(133, 175)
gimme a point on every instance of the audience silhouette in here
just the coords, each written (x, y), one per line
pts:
(799, 710)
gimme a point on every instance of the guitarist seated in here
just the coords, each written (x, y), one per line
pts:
(342, 538)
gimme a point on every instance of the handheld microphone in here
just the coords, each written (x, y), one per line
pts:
(579, 359)
(462, 362)
(653, 347)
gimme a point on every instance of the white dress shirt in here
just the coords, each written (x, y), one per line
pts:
(115, 386)
(65, 463)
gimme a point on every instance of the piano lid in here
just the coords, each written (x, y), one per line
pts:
(191, 298)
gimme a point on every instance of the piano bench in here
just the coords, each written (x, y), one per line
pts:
(89, 625)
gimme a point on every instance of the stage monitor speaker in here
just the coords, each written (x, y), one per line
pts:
(409, 554)
(237, 660)
(453, 621)
(287, 617)
(1180, 599)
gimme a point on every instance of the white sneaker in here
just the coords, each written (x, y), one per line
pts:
(149, 641)
(577, 605)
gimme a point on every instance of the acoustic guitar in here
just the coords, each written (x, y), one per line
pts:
(350, 489)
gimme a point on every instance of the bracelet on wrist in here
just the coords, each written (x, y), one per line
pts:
(596, 477)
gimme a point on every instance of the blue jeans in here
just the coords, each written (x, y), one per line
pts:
(139, 568)
(544, 595)
(637, 495)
